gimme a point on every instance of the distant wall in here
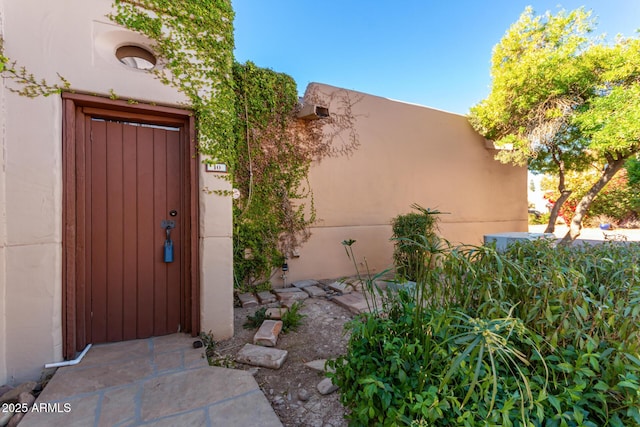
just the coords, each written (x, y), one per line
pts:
(408, 154)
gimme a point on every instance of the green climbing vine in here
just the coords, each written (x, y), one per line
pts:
(24, 83)
(246, 118)
(270, 218)
(194, 40)
(274, 151)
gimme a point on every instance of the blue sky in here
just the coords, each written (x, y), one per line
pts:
(428, 52)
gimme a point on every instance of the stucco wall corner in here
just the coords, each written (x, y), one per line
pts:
(3, 220)
(216, 255)
(215, 209)
(216, 287)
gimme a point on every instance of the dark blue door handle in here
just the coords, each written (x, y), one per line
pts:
(168, 225)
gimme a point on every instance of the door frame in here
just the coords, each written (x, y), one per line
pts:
(74, 109)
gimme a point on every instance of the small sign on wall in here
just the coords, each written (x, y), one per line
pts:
(216, 167)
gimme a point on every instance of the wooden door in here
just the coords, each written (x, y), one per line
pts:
(133, 182)
(126, 170)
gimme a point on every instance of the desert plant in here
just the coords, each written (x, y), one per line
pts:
(214, 358)
(536, 335)
(292, 318)
(450, 369)
(209, 344)
(372, 292)
(255, 320)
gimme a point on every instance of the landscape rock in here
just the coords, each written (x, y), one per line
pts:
(13, 394)
(5, 388)
(280, 291)
(342, 287)
(5, 418)
(288, 298)
(300, 284)
(268, 333)
(26, 399)
(303, 395)
(276, 312)
(248, 300)
(383, 285)
(321, 336)
(408, 286)
(354, 302)
(266, 297)
(319, 365)
(314, 291)
(266, 357)
(326, 386)
(356, 285)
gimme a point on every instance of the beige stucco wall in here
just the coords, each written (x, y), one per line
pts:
(216, 257)
(75, 39)
(407, 154)
(3, 223)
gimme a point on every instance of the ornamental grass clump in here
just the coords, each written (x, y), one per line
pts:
(538, 335)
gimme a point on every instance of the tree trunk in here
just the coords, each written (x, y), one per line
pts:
(564, 193)
(576, 223)
(553, 215)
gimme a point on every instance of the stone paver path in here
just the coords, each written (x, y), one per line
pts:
(164, 381)
(161, 381)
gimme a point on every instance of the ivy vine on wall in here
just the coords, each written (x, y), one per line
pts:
(194, 40)
(25, 83)
(274, 151)
(246, 118)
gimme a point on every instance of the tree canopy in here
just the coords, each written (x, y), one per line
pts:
(563, 100)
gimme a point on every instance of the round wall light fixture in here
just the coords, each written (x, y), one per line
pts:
(136, 57)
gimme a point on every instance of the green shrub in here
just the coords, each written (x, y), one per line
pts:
(450, 370)
(535, 336)
(541, 219)
(411, 233)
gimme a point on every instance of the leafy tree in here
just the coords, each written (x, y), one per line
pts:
(562, 101)
(618, 202)
(633, 170)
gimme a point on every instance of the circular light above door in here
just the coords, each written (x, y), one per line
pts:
(136, 57)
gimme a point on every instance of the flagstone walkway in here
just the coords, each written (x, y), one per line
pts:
(161, 381)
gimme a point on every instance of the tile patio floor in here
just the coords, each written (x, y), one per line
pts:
(161, 381)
